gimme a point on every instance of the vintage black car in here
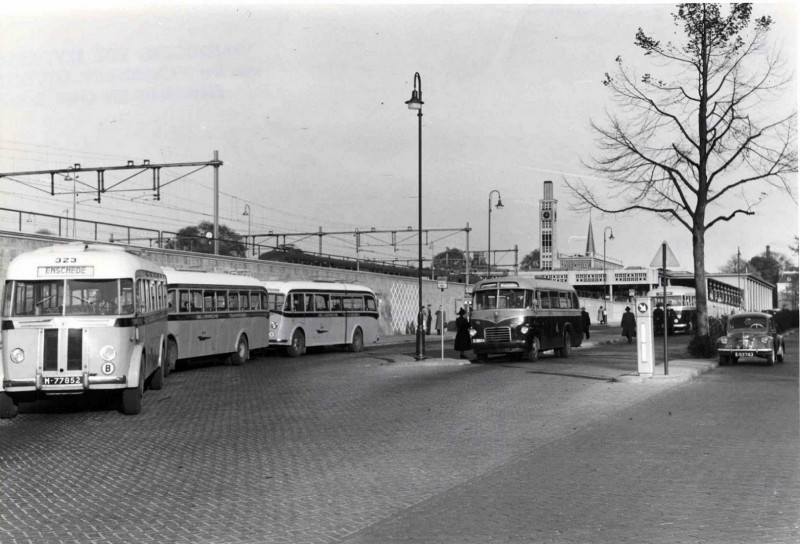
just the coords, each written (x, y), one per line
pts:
(751, 335)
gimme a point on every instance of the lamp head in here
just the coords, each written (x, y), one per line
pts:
(499, 202)
(415, 103)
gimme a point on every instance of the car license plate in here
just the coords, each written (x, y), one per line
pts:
(63, 380)
(743, 354)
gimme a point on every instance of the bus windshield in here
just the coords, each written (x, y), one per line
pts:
(502, 299)
(82, 297)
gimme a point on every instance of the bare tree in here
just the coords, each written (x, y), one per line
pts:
(699, 144)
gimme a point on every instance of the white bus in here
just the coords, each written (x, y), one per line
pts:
(213, 315)
(321, 313)
(681, 309)
(79, 318)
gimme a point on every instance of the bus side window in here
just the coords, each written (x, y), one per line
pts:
(309, 305)
(197, 301)
(264, 298)
(233, 301)
(564, 300)
(545, 299)
(336, 303)
(371, 305)
(171, 301)
(254, 301)
(297, 302)
(222, 298)
(321, 302)
(244, 300)
(184, 301)
(208, 301)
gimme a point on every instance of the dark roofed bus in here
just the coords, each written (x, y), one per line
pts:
(523, 316)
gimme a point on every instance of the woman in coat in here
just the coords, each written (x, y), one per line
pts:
(463, 340)
(628, 324)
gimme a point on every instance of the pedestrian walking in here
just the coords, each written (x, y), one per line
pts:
(628, 324)
(463, 340)
(600, 315)
(440, 322)
(605, 315)
(585, 322)
(428, 319)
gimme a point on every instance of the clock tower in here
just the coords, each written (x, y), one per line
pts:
(548, 215)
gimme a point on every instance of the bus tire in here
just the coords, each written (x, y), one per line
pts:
(358, 341)
(532, 355)
(172, 357)
(567, 349)
(8, 406)
(242, 352)
(298, 345)
(132, 396)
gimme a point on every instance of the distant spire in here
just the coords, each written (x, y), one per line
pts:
(590, 240)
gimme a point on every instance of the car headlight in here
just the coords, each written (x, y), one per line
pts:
(765, 340)
(723, 340)
(676, 320)
(108, 353)
(524, 329)
(17, 355)
(472, 332)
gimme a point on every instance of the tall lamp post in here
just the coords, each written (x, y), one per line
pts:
(605, 230)
(247, 213)
(415, 103)
(499, 206)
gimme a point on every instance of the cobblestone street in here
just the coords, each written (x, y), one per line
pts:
(337, 447)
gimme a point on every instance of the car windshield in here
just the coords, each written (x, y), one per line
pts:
(747, 322)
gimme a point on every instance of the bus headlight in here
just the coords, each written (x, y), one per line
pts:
(273, 325)
(524, 329)
(17, 355)
(472, 332)
(108, 353)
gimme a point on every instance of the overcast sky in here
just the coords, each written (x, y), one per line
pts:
(306, 108)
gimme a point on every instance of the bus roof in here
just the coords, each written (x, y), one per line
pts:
(180, 278)
(284, 286)
(78, 260)
(522, 282)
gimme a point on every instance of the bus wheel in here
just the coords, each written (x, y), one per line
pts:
(358, 342)
(8, 406)
(567, 349)
(132, 396)
(172, 357)
(242, 352)
(533, 354)
(298, 345)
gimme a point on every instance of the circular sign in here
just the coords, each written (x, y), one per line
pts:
(107, 368)
(642, 307)
(546, 215)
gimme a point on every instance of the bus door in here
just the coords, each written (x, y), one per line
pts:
(296, 312)
(338, 320)
(549, 305)
(323, 331)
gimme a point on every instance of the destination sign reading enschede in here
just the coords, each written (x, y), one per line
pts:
(44, 271)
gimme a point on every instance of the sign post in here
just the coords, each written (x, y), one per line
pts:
(442, 286)
(645, 354)
(667, 258)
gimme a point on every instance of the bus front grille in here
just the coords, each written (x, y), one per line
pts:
(497, 334)
(51, 349)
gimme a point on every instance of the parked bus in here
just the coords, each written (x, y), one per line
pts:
(524, 316)
(321, 313)
(681, 309)
(215, 315)
(80, 318)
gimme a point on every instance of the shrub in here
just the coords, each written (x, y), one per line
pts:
(706, 346)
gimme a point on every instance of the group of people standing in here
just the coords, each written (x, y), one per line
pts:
(427, 320)
(463, 341)
(628, 323)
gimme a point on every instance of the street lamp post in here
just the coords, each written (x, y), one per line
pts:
(611, 237)
(499, 206)
(415, 103)
(247, 213)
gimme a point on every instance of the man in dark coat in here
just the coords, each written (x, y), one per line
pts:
(628, 324)
(463, 341)
(428, 318)
(585, 322)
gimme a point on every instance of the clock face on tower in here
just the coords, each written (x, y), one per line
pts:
(547, 215)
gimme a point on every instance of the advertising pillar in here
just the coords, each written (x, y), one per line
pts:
(645, 353)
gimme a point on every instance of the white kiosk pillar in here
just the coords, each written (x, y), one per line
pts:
(644, 337)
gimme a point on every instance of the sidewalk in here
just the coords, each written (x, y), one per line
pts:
(680, 370)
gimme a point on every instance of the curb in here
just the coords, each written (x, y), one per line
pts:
(681, 370)
(398, 361)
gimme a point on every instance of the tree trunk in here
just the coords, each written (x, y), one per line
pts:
(701, 289)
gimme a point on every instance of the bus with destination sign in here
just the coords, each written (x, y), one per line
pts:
(78, 318)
